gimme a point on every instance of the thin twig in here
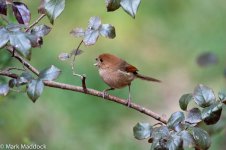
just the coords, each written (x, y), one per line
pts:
(14, 68)
(83, 77)
(35, 22)
(73, 60)
(81, 90)
(8, 74)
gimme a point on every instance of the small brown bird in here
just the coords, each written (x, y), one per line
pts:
(117, 73)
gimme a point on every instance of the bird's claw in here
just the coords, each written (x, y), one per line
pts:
(104, 94)
(129, 102)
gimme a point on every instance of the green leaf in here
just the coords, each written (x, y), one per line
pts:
(179, 127)
(160, 132)
(78, 32)
(188, 140)
(175, 119)
(91, 37)
(107, 30)
(54, 8)
(4, 89)
(174, 142)
(201, 138)
(204, 96)
(35, 40)
(222, 96)
(15, 27)
(158, 137)
(142, 131)
(130, 6)
(212, 114)
(27, 76)
(35, 89)
(159, 145)
(50, 73)
(194, 116)
(112, 5)
(22, 44)
(214, 129)
(41, 30)
(23, 79)
(4, 38)
(184, 101)
(12, 83)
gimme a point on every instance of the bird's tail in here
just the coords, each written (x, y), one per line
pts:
(142, 77)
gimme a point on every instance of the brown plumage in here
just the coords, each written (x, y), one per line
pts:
(117, 73)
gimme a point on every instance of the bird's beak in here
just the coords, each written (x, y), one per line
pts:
(96, 64)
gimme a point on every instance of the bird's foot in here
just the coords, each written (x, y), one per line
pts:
(129, 102)
(104, 94)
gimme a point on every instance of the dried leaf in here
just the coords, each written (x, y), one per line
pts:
(64, 56)
(3, 7)
(207, 59)
(41, 30)
(78, 32)
(21, 13)
(112, 5)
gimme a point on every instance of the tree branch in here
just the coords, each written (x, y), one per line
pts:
(89, 91)
(22, 60)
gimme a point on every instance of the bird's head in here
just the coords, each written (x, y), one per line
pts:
(105, 61)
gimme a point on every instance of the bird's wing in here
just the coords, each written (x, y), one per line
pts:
(130, 68)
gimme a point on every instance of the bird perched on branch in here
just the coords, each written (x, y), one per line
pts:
(117, 73)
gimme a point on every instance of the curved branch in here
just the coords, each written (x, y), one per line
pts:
(89, 91)
(107, 97)
(22, 60)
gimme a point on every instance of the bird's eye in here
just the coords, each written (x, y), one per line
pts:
(101, 60)
(96, 59)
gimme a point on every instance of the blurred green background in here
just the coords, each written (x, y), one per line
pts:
(163, 41)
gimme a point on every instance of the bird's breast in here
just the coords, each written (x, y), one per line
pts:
(116, 78)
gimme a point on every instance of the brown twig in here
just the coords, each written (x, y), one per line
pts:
(93, 92)
(35, 22)
(22, 60)
(7, 73)
(13, 68)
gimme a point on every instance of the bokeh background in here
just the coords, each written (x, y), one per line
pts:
(163, 41)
